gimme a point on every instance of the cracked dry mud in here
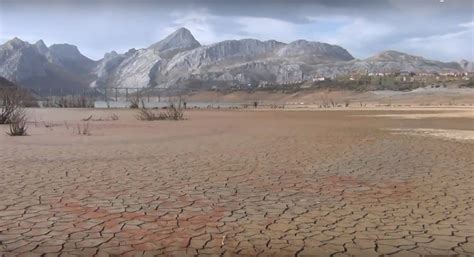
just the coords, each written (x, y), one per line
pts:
(237, 184)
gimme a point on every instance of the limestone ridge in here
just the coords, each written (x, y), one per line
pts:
(180, 60)
(138, 68)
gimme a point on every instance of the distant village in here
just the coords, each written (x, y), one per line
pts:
(380, 79)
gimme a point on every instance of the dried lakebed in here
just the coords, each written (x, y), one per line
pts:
(237, 183)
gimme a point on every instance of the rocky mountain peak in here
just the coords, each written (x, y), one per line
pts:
(41, 47)
(392, 55)
(315, 51)
(65, 51)
(178, 41)
(303, 42)
(37, 66)
(110, 55)
(181, 33)
(16, 43)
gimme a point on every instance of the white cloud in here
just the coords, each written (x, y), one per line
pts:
(467, 24)
(360, 36)
(100, 29)
(359, 32)
(267, 28)
(208, 28)
(447, 47)
(198, 21)
(328, 18)
(201, 23)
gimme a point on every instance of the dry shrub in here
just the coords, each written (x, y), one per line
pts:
(10, 104)
(172, 113)
(74, 102)
(88, 118)
(17, 122)
(135, 103)
(114, 116)
(50, 124)
(83, 129)
(146, 114)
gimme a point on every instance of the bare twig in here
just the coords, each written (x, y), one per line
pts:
(88, 118)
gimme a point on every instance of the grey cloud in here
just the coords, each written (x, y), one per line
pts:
(103, 25)
(295, 11)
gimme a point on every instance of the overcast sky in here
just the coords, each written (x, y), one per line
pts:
(436, 29)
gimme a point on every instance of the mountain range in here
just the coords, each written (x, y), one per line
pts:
(180, 60)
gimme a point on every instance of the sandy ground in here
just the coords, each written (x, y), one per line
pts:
(419, 97)
(462, 135)
(240, 183)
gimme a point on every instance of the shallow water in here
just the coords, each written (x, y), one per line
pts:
(156, 104)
